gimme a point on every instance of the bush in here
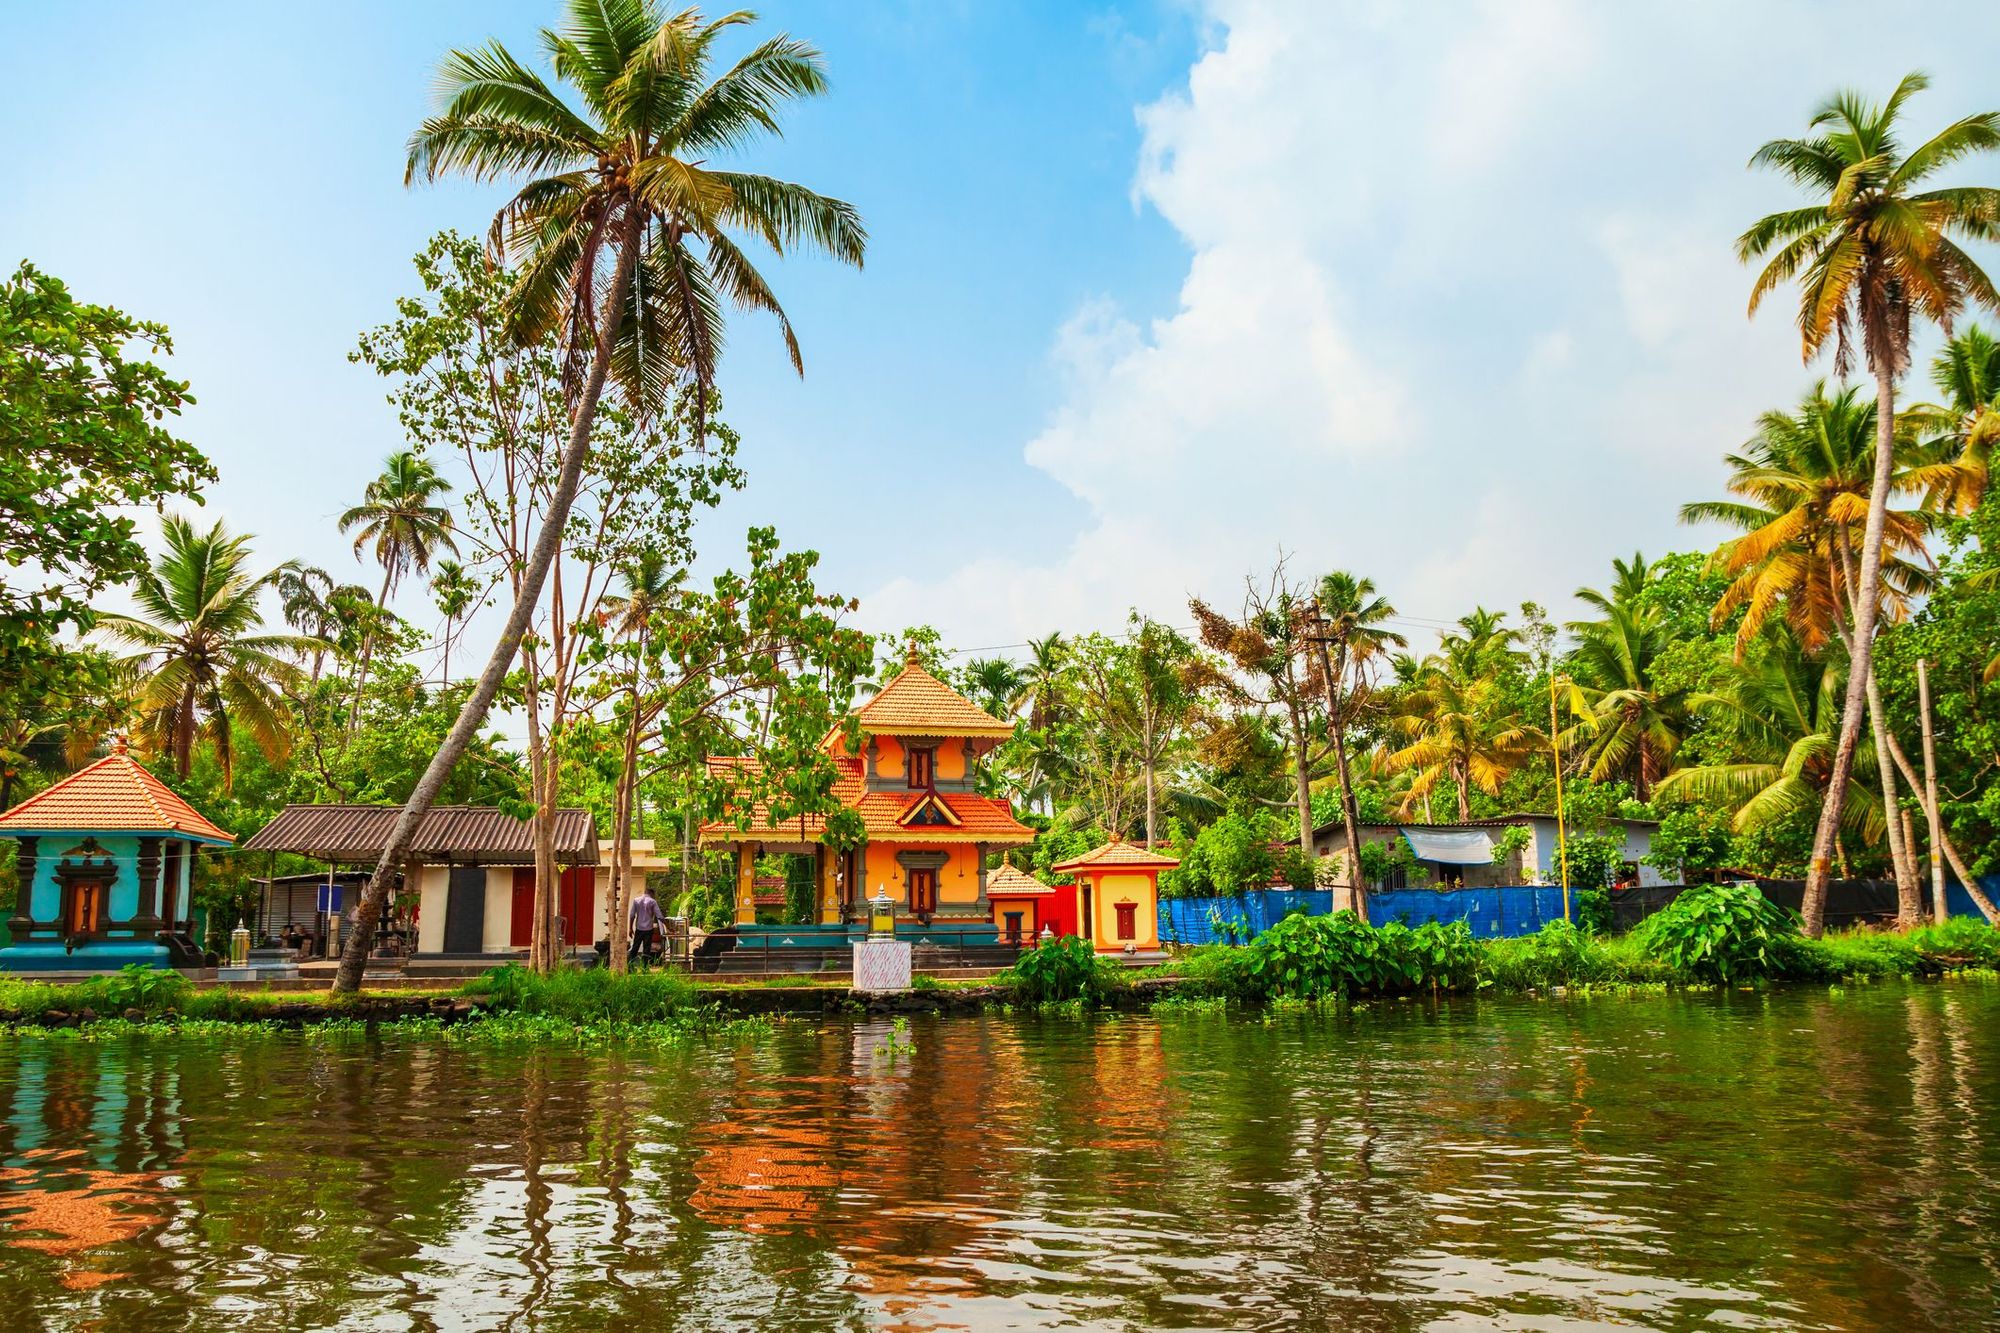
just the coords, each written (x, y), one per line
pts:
(1446, 956)
(1065, 969)
(1315, 957)
(1723, 934)
(1557, 955)
(584, 996)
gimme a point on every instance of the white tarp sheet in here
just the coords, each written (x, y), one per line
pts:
(1472, 848)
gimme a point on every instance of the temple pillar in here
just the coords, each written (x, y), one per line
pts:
(146, 920)
(746, 884)
(824, 863)
(26, 862)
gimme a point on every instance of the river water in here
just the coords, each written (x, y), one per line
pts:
(1784, 1160)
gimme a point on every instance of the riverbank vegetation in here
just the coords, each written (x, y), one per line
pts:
(1721, 691)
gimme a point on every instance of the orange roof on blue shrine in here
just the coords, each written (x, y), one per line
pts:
(113, 795)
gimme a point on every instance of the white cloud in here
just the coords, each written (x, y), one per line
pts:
(1457, 315)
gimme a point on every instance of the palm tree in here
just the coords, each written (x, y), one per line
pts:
(1807, 476)
(1804, 481)
(1351, 637)
(994, 683)
(1630, 725)
(1454, 714)
(623, 183)
(1045, 677)
(307, 597)
(399, 517)
(1871, 252)
(1965, 426)
(1778, 707)
(456, 592)
(201, 666)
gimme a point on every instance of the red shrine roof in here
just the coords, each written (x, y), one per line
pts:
(890, 816)
(916, 703)
(1007, 882)
(1117, 854)
(113, 795)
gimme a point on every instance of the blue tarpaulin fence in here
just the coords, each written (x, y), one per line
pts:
(1491, 913)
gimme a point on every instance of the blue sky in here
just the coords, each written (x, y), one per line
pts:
(1154, 290)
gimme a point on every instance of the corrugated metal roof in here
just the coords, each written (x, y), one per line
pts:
(468, 834)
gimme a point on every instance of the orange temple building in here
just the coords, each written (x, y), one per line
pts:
(914, 785)
(930, 840)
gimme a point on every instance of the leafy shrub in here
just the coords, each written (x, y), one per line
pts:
(1215, 970)
(1962, 941)
(1314, 957)
(1722, 933)
(1446, 955)
(1593, 910)
(585, 995)
(1064, 969)
(1557, 955)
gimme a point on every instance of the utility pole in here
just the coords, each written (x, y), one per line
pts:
(1562, 829)
(1938, 906)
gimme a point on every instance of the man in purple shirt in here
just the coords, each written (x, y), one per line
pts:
(644, 919)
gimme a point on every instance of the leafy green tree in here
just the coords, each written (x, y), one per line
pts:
(1965, 426)
(1631, 725)
(1872, 253)
(457, 593)
(994, 683)
(1807, 475)
(1458, 720)
(400, 518)
(205, 668)
(1348, 620)
(83, 436)
(1779, 707)
(624, 183)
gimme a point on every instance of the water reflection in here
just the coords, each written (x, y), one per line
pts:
(1790, 1160)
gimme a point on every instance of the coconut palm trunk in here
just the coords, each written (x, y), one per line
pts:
(470, 717)
(1867, 603)
(1986, 905)
(1350, 812)
(621, 858)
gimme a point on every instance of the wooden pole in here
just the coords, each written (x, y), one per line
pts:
(1931, 816)
(1562, 831)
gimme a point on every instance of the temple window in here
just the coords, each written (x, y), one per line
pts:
(923, 767)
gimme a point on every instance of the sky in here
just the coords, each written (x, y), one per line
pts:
(1155, 294)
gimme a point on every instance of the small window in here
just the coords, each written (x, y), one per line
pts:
(1128, 920)
(923, 768)
(923, 892)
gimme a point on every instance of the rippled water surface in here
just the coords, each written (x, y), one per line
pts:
(1792, 1160)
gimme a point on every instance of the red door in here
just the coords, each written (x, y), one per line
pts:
(522, 931)
(574, 904)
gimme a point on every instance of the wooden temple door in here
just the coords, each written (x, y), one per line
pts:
(83, 904)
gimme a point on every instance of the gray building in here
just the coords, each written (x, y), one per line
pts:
(1462, 854)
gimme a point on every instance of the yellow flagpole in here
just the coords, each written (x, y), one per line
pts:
(1562, 833)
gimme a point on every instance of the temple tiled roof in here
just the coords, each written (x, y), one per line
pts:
(916, 703)
(114, 795)
(1007, 882)
(979, 818)
(1117, 853)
